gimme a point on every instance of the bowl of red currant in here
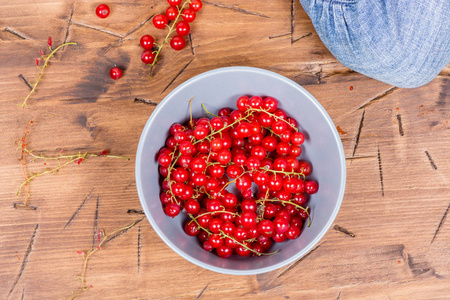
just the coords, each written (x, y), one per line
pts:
(240, 170)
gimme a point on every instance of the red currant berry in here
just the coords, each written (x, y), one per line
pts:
(270, 104)
(242, 103)
(240, 233)
(283, 149)
(234, 171)
(224, 157)
(215, 225)
(279, 237)
(115, 73)
(304, 167)
(207, 246)
(258, 152)
(224, 251)
(177, 43)
(279, 127)
(281, 225)
(231, 243)
(242, 251)
(148, 57)
(269, 143)
(164, 159)
(183, 28)
(199, 179)
(191, 229)
(243, 183)
(147, 42)
(102, 11)
(296, 221)
(266, 228)
(265, 119)
(203, 236)
(175, 127)
(227, 227)
(280, 164)
(248, 219)
(165, 198)
(172, 210)
(192, 206)
(300, 199)
(171, 13)
(160, 21)
(180, 175)
(174, 2)
(200, 132)
(292, 233)
(269, 211)
(248, 205)
(255, 102)
(297, 138)
(215, 240)
(311, 187)
(195, 5)
(280, 114)
(229, 200)
(188, 15)
(275, 182)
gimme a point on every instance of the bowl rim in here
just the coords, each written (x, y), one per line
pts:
(195, 261)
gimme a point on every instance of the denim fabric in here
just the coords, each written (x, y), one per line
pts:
(405, 43)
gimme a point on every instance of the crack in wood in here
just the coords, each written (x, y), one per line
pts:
(69, 22)
(235, 8)
(119, 42)
(380, 169)
(201, 293)
(95, 226)
(444, 217)
(122, 231)
(22, 36)
(431, 160)
(97, 29)
(23, 294)
(176, 76)
(303, 36)
(400, 126)
(78, 209)
(135, 212)
(190, 43)
(25, 81)
(139, 246)
(344, 231)
(294, 264)
(339, 295)
(292, 21)
(280, 35)
(25, 259)
(360, 157)
(22, 206)
(146, 101)
(377, 97)
(358, 133)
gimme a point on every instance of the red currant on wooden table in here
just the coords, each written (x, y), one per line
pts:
(102, 11)
(254, 148)
(177, 43)
(160, 21)
(147, 42)
(115, 73)
(148, 57)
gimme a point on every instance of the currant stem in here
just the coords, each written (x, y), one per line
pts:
(46, 60)
(288, 202)
(274, 116)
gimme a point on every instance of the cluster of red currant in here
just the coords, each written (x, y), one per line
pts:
(181, 27)
(257, 143)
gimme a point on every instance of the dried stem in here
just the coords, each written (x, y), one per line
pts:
(46, 65)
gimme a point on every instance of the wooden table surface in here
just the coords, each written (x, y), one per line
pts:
(396, 204)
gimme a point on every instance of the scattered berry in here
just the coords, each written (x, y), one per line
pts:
(102, 11)
(115, 73)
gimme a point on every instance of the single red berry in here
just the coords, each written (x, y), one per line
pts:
(242, 103)
(115, 73)
(224, 251)
(293, 232)
(195, 5)
(147, 42)
(304, 167)
(171, 13)
(160, 21)
(243, 251)
(207, 246)
(216, 240)
(37, 61)
(281, 225)
(270, 104)
(248, 219)
(297, 138)
(49, 42)
(148, 57)
(172, 210)
(255, 102)
(279, 237)
(311, 187)
(102, 11)
(188, 15)
(174, 2)
(192, 206)
(266, 228)
(183, 29)
(177, 43)
(191, 228)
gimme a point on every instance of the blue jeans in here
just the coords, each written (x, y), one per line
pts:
(405, 43)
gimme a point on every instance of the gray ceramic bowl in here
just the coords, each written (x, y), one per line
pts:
(220, 88)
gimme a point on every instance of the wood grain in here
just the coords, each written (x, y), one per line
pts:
(396, 142)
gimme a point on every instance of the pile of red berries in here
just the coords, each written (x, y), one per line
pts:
(254, 147)
(182, 28)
